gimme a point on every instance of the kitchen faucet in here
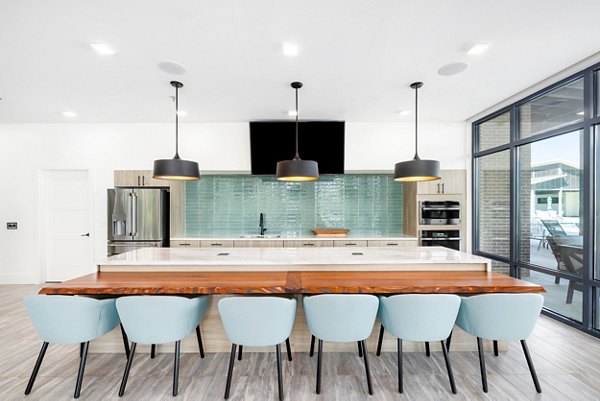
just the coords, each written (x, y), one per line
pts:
(261, 224)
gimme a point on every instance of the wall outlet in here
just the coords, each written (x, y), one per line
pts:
(11, 226)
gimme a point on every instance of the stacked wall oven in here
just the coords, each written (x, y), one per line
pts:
(440, 213)
(137, 218)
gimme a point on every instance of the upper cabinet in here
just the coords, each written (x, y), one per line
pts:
(137, 178)
(453, 182)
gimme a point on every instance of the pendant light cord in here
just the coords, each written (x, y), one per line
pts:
(297, 156)
(416, 122)
(176, 122)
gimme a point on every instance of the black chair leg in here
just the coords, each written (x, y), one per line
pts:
(312, 346)
(448, 340)
(127, 369)
(427, 351)
(319, 365)
(153, 351)
(279, 374)
(367, 368)
(125, 341)
(83, 358)
(240, 353)
(81, 349)
(495, 347)
(36, 368)
(400, 378)
(380, 340)
(230, 370)
(482, 365)
(288, 348)
(176, 368)
(531, 367)
(200, 346)
(360, 351)
(449, 368)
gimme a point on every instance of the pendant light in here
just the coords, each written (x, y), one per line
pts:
(297, 169)
(176, 168)
(417, 169)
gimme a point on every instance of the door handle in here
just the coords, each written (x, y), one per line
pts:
(85, 235)
(138, 180)
(443, 190)
(143, 180)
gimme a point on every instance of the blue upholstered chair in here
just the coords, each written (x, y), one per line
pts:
(62, 319)
(420, 317)
(159, 320)
(341, 318)
(504, 317)
(257, 322)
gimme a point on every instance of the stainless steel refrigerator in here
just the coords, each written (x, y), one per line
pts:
(137, 218)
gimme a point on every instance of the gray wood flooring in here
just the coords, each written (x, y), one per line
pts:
(567, 361)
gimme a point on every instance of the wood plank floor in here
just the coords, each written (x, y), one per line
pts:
(567, 361)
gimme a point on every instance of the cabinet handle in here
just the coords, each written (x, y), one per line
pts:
(349, 243)
(443, 190)
(143, 180)
(138, 180)
(392, 244)
(438, 188)
(216, 244)
(185, 244)
(308, 244)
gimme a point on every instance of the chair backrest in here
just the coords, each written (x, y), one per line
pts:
(158, 319)
(341, 317)
(257, 321)
(419, 317)
(572, 257)
(554, 228)
(64, 319)
(507, 317)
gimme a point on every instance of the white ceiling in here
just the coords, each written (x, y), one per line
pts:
(357, 58)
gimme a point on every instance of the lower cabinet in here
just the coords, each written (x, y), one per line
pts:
(307, 244)
(258, 243)
(279, 243)
(349, 243)
(397, 243)
(185, 243)
(216, 244)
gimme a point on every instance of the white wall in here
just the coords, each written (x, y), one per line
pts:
(27, 150)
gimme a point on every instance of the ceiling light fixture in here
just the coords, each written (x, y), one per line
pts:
(452, 69)
(69, 114)
(176, 168)
(102, 48)
(290, 49)
(297, 169)
(477, 49)
(417, 169)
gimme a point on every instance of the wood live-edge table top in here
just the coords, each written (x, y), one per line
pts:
(291, 282)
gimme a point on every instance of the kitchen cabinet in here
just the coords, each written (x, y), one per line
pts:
(349, 243)
(392, 243)
(258, 243)
(453, 182)
(186, 243)
(216, 243)
(308, 244)
(137, 178)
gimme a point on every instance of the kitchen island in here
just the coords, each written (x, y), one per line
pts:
(291, 271)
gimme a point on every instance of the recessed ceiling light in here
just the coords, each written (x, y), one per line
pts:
(290, 49)
(403, 113)
(292, 113)
(102, 48)
(171, 67)
(478, 49)
(181, 113)
(452, 69)
(580, 113)
(69, 114)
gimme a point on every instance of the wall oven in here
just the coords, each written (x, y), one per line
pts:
(439, 213)
(446, 238)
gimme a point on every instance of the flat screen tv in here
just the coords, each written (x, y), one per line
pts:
(273, 141)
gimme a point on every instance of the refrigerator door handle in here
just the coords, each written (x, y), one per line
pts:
(134, 214)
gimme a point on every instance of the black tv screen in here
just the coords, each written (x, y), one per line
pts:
(273, 141)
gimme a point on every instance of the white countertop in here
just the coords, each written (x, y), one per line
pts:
(400, 237)
(359, 258)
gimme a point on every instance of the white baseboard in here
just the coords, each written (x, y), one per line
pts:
(19, 279)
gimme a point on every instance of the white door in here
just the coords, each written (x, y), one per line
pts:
(69, 251)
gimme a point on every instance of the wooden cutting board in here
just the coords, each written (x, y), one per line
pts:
(331, 232)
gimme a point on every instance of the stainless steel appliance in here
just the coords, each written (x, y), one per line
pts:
(439, 212)
(137, 217)
(446, 238)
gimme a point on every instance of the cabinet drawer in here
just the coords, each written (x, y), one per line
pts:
(258, 244)
(349, 243)
(185, 243)
(216, 243)
(308, 244)
(392, 243)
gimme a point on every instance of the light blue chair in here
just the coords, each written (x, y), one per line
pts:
(62, 319)
(158, 319)
(341, 318)
(257, 322)
(504, 317)
(420, 317)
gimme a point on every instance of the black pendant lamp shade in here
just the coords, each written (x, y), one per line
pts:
(176, 168)
(297, 169)
(417, 169)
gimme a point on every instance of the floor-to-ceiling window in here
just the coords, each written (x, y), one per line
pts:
(535, 197)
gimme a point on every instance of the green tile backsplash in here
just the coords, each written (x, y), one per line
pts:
(229, 205)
